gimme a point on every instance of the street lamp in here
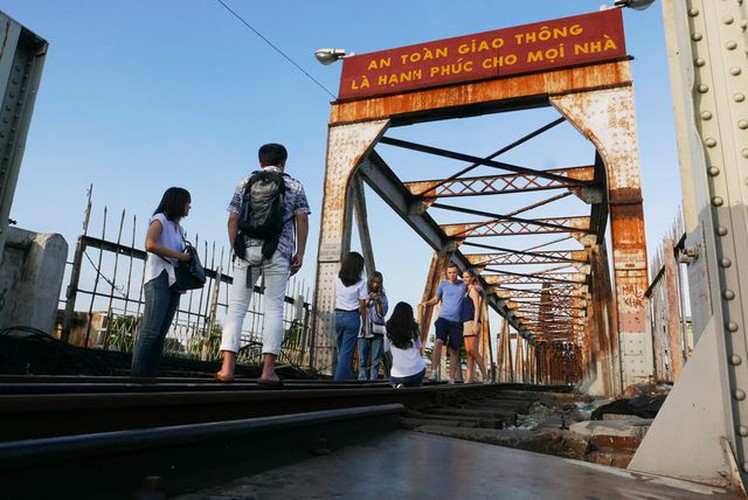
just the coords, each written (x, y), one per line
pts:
(329, 56)
(634, 4)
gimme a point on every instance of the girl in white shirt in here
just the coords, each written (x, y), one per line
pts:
(404, 338)
(164, 243)
(350, 311)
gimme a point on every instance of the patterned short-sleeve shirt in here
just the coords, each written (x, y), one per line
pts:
(294, 203)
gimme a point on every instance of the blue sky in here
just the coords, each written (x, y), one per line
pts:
(140, 95)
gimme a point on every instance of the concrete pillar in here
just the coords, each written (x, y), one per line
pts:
(31, 272)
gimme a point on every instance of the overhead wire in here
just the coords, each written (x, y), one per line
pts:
(274, 47)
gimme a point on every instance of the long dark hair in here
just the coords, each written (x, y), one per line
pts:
(351, 268)
(173, 203)
(402, 329)
(374, 275)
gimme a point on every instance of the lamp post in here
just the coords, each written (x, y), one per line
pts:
(329, 56)
(633, 4)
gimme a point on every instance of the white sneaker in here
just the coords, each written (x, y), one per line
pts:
(399, 386)
(434, 376)
(451, 381)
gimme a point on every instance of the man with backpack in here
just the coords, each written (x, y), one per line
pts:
(268, 227)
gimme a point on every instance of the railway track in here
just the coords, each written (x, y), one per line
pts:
(192, 432)
(179, 459)
(33, 410)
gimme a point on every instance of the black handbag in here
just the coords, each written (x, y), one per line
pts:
(189, 273)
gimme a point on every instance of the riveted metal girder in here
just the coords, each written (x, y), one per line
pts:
(375, 172)
(510, 257)
(706, 52)
(518, 227)
(507, 278)
(607, 118)
(500, 184)
(563, 304)
(22, 56)
(347, 146)
(562, 291)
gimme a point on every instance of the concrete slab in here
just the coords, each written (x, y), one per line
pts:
(406, 464)
(610, 428)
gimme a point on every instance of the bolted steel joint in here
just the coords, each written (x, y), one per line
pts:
(689, 254)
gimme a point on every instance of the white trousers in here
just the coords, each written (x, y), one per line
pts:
(276, 272)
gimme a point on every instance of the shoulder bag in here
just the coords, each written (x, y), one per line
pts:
(189, 273)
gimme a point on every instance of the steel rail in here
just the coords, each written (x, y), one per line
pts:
(180, 459)
(30, 416)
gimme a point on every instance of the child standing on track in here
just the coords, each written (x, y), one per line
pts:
(403, 335)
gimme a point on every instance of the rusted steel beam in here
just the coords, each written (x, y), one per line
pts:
(557, 320)
(565, 324)
(543, 334)
(347, 146)
(532, 326)
(382, 180)
(536, 306)
(541, 337)
(569, 331)
(607, 118)
(550, 325)
(550, 299)
(506, 217)
(499, 184)
(548, 310)
(516, 226)
(511, 257)
(375, 172)
(477, 161)
(493, 155)
(360, 212)
(564, 291)
(457, 101)
(504, 354)
(519, 361)
(528, 320)
(517, 278)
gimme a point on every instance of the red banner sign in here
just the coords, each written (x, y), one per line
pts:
(530, 48)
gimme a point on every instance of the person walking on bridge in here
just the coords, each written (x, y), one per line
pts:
(268, 217)
(472, 308)
(448, 326)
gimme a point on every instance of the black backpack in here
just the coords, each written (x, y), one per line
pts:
(261, 213)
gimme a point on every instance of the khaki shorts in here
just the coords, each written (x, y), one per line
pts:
(467, 329)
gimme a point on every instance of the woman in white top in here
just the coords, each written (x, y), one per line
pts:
(350, 311)
(164, 243)
(404, 338)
